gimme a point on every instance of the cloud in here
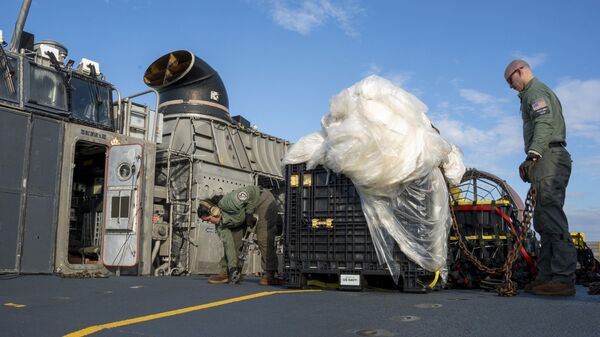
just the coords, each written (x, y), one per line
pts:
(400, 78)
(463, 135)
(502, 138)
(580, 101)
(443, 105)
(487, 104)
(586, 163)
(305, 16)
(483, 130)
(484, 148)
(374, 69)
(585, 220)
(486, 127)
(534, 60)
(591, 161)
(457, 82)
(475, 96)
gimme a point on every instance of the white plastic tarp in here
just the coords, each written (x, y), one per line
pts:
(377, 134)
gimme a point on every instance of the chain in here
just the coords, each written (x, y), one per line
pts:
(507, 289)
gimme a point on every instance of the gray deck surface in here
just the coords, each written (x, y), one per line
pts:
(57, 306)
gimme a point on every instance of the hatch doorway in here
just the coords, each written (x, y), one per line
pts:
(87, 196)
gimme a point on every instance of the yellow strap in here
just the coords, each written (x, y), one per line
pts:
(477, 237)
(435, 279)
(321, 284)
(482, 202)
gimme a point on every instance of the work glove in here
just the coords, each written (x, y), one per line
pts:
(251, 219)
(527, 166)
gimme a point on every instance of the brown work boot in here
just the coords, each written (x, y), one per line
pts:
(529, 286)
(220, 278)
(554, 288)
(268, 278)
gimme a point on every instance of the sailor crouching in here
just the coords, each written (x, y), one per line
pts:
(233, 214)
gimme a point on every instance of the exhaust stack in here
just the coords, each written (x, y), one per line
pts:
(187, 84)
(16, 38)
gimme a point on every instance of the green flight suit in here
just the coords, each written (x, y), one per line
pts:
(234, 207)
(544, 133)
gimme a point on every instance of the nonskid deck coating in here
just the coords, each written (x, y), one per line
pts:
(53, 306)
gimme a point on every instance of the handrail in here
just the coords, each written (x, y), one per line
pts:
(118, 114)
(155, 120)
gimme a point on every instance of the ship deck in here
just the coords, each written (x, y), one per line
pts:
(44, 305)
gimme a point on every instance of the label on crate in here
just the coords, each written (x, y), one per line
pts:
(350, 280)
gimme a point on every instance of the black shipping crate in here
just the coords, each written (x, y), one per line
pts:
(486, 217)
(326, 234)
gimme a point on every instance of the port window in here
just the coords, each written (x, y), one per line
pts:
(124, 171)
(90, 102)
(47, 88)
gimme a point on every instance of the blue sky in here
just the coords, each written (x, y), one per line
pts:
(282, 60)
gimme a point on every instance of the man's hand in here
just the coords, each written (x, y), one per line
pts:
(251, 219)
(527, 165)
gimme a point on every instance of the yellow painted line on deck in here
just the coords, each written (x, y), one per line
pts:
(95, 328)
(14, 305)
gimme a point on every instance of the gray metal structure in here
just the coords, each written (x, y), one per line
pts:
(204, 152)
(28, 186)
(78, 192)
(57, 127)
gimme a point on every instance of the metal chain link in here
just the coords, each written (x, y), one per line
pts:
(507, 289)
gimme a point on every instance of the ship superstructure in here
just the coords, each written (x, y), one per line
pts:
(92, 182)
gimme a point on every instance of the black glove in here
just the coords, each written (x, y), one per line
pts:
(251, 219)
(526, 167)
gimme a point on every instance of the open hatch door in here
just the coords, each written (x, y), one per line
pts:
(122, 208)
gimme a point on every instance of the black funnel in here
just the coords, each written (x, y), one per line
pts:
(187, 84)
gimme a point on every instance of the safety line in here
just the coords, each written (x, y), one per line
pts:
(95, 328)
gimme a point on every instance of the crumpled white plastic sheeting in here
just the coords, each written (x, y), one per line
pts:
(377, 134)
(454, 167)
(309, 149)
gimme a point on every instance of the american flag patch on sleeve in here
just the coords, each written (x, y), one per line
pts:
(539, 104)
(540, 107)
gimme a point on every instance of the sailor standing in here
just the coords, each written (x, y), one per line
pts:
(548, 168)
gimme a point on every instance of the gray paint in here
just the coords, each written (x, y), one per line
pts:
(9, 230)
(120, 243)
(145, 231)
(13, 140)
(225, 157)
(61, 305)
(74, 133)
(38, 236)
(42, 196)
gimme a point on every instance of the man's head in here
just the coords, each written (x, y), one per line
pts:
(518, 73)
(209, 212)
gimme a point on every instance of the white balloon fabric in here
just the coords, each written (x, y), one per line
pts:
(454, 167)
(377, 134)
